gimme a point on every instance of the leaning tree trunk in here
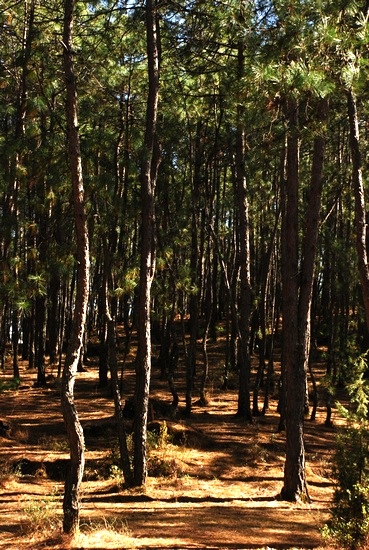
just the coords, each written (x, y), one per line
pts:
(150, 165)
(71, 502)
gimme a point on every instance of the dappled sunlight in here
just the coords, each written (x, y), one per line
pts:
(217, 486)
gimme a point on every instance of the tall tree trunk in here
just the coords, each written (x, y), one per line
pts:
(310, 242)
(297, 297)
(194, 265)
(244, 406)
(71, 502)
(150, 165)
(294, 376)
(16, 162)
(360, 210)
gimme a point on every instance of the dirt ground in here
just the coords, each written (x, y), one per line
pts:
(216, 478)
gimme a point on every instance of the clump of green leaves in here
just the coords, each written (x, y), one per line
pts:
(349, 523)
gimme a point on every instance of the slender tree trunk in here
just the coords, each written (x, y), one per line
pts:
(205, 374)
(102, 321)
(294, 376)
(194, 266)
(16, 162)
(309, 245)
(42, 240)
(62, 328)
(53, 318)
(31, 340)
(360, 210)
(214, 267)
(112, 363)
(173, 360)
(265, 281)
(244, 406)
(3, 323)
(40, 338)
(119, 417)
(284, 254)
(71, 502)
(150, 165)
(297, 298)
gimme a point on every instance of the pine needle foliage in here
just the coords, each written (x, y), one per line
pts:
(349, 522)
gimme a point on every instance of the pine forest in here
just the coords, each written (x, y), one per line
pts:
(184, 282)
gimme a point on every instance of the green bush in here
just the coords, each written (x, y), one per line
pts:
(6, 385)
(349, 522)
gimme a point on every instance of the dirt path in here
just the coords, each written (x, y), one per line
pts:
(219, 490)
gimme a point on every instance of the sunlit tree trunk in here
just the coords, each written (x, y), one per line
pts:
(150, 164)
(71, 502)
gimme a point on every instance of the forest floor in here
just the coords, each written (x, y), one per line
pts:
(215, 485)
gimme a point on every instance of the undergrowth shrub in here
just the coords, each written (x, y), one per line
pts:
(54, 443)
(158, 440)
(349, 523)
(6, 385)
(160, 462)
(42, 514)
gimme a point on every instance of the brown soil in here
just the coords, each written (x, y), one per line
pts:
(215, 485)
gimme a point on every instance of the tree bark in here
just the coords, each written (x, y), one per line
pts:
(297, 298)
(360, 211)
(265, 281)
(194, 266)
(244, 406)
(15, 162)
(150, 165)
(310, 242)
(294, 376)
(71, 502)
(119, 416)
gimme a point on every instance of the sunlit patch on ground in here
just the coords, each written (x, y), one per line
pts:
(217, 489)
